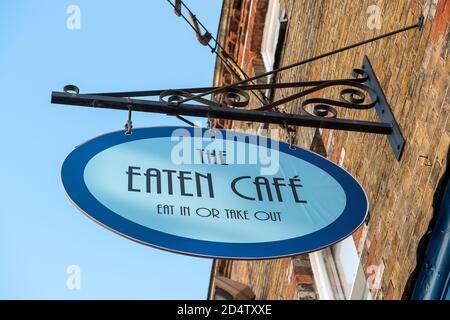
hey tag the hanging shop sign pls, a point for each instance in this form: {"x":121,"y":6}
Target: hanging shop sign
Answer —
{"x":213,"y":193}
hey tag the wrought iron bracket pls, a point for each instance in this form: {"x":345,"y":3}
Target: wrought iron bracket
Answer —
{"x":228,"y":104}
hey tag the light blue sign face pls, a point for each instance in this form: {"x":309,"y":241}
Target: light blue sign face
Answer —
{"x":213,"y":193}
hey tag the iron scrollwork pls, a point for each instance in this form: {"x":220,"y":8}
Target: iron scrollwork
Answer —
{"x":360,"y":92}
{"x":231,"y":97}
{"x":355,"y":95}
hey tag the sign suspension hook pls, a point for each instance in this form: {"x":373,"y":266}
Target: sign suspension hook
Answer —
{"x":129,"y":123}
{"x":210,"y":122}
{"x":290,"y":136}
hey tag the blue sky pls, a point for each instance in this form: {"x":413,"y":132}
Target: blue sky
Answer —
{"x":121,"y":46}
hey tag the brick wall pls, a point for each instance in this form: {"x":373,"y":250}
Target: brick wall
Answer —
{"x":413,"y":68}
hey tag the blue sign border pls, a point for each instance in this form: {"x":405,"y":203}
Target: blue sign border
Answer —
{"x":72,"y":174}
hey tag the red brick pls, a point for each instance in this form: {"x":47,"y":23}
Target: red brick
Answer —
{"x":390,"y":292}
{"x":357,"y":236}
{"x":304,"y":279}
{"x":441,"y":20}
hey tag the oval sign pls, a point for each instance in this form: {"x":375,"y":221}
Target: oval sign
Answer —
{"x":213,"y":193}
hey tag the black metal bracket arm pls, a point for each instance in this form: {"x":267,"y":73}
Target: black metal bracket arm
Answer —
{"x":228,"y":103}
{"x":360,"y":92}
